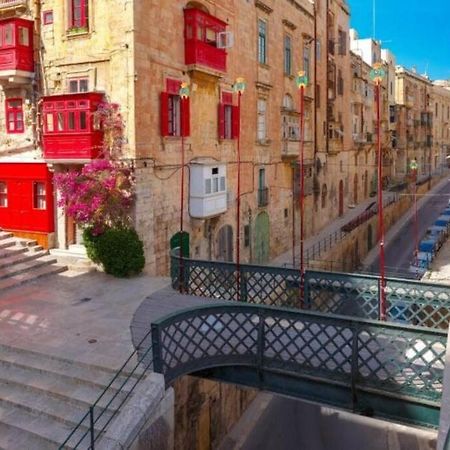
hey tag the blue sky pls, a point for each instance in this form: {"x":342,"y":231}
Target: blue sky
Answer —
{"x":417,"y":31}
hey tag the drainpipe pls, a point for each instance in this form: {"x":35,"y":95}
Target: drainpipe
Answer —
{"x":315,"y":83}
{"x":36,"y":88}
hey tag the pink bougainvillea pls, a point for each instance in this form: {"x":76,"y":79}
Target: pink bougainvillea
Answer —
{"x":100,"y":195}
{"x":109,"y":118}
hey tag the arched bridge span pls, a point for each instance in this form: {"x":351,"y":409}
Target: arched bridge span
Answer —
{"x":387,"y":370}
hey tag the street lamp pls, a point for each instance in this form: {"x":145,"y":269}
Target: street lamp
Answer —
{"x":238,"y":87}
{"x":302,"y":81}
{"x":377,"y":75}
{"x":413,"y":166}
{"x":183,"y":92}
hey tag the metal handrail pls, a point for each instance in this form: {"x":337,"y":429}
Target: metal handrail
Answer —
{"x":90,"y":413}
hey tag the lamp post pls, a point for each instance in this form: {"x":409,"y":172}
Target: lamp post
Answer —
{"x":377,"y":75}
{"x":413,"y":167}
{"x":302,"y":81}
{"x":184,"y":96}
{"x":239,"y":88}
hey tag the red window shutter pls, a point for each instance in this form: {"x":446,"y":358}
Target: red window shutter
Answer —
{"x":236,"y":122}
{"x":185,"y":117}
{"x":164,"y":116}
{"x":221,"y":121}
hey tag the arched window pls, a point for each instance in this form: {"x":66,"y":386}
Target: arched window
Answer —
{"x":324,"y":196}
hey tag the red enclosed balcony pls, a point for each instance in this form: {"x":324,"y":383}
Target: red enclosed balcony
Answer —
{"x":69,"y":132}
{"x":201,"y":38}
{"x":16,"y":50}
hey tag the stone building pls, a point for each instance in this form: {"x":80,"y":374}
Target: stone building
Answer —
{"x":415,"y":121}
{"x":440,"y":106}
{"x":61,"y":59}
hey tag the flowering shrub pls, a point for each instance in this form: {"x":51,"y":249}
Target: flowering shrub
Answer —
{"x":100,"y":196}
{"x":110,"y":120}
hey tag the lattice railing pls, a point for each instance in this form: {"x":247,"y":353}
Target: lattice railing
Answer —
{"x":408,"y":301}
{"x":392,"y":360}
{"x":355,"y":295}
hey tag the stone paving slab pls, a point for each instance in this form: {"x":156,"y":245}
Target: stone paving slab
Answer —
{"x":83,"y":317}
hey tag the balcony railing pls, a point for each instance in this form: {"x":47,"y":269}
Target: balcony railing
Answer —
{"x":11,"y":3}
{"x":263,"y":197}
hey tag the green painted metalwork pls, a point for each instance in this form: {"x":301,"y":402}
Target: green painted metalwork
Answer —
{"x":355,"y":295}
{"x":393,"y":370}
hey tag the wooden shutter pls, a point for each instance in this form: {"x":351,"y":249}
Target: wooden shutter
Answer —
{"x":164,"y":114}
{"x":185,"y":117}
{"x":221,"y":121}
{"x":236,"y":119}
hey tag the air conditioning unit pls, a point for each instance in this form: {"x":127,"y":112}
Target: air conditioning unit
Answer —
{"x":225,"y":39}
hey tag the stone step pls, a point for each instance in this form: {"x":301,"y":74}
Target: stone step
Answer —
{"x":5,"y":235}
{"x":7,"y":243}
{"x":42,"y":363}
{"x":11,"y":251}
{"x":20,"y":258}
{"x":54,"y":408}
{"x":27,"y":266}
{"x":26,"y":277}
{"x":23,"y":430}
{"x":63,"y":386}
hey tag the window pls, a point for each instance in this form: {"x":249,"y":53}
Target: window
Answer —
{"x":318,"y":49}
{"x":318,"y":95}
{"x":340,"y":83}
{"x":78,"y":85}
{"x":246,"y":235}
{"x":324,"y":196}
{"x":78,"y":10}
{"x":175,"y":112}
{"x":228,"y":118}
{"x":8,"y":34}
{"x":47,"y":17}
{"x":215,"y":183}
{"x":262,"y":179}
{"x":342,"y":36}
{"x":262,"y":42}
{"x":24,"y":36}
{"x":39,"y":200}
{"x":306,"y":58}
{"x":3,"y":195}
{"x":261,"y":123}
{"x":14,"y":115}
{"x":287,"y":55}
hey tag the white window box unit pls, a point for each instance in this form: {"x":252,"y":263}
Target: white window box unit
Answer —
{"x":208,"y":189}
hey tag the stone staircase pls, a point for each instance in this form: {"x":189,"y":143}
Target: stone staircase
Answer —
{"x":42,"y":398}
{"x":22,"y":260}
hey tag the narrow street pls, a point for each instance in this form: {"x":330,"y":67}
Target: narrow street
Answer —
{"x":399,"y":252}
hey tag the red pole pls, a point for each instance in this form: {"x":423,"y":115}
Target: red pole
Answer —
{"x":182,"y":199}
{"x":238,"y":204}
{"x":380,"y":211}
{"x":302,"y":189}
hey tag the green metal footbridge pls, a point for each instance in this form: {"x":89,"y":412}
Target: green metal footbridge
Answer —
{"x":328,"y":347}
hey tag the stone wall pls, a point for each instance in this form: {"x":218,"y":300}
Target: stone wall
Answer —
{"x":206,"y":410}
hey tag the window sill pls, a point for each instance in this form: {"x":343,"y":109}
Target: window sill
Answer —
{"x":77,"y":32}
{"x":263,"y":143}
{"x":264,"y":66}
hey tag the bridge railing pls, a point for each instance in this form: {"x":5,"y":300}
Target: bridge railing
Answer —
{"x":360,"y":357}
{"x":408,"y":301}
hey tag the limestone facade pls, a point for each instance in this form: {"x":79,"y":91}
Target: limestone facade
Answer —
{"x":135,"y":52}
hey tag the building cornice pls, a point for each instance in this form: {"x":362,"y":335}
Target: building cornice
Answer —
{"x":263,"y":6}
{"x":289,"y":25}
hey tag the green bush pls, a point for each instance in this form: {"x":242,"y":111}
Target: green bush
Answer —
{"x":118,"y":250}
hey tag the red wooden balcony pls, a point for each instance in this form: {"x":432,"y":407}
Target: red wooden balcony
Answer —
{"x":201,"y":32}
{"x":68,"y":126}
{"x":16,"y":50}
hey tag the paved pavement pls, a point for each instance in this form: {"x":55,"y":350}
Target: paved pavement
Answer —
{"x":333,"y":227}
{"x":400,"y":241}
{"x":80,"y":316}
